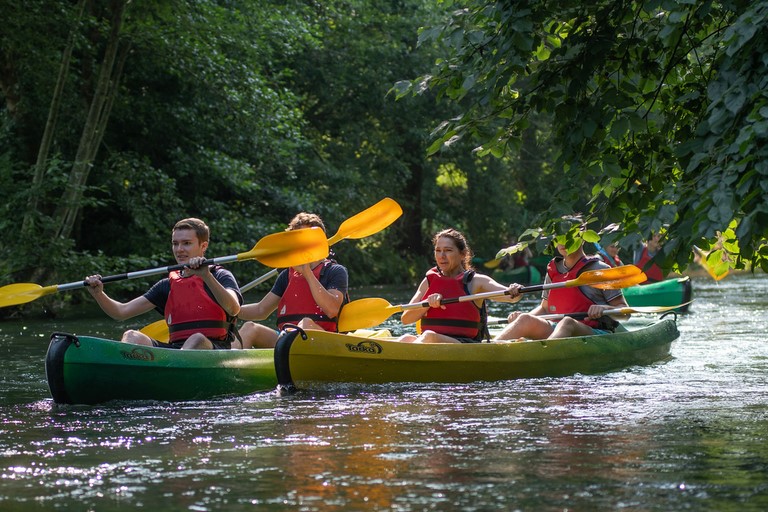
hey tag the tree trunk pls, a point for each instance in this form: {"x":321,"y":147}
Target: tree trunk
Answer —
{"x":50,"y":126}
{"x":93,"y":131}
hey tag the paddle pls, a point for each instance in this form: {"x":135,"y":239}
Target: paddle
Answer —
{"x":716,"y":272}
{"x":366,"y":223}
{"x":365,"y":313}
{"x":284,"y":249}
{"x":613,"y":311}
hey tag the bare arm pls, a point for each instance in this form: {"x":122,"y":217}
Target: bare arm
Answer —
{"x":115,"y":309}
{"x":227,"y":298}
{"x":596,"y":310}
{"x":260,"y":310}
{"x":410,"y":316}
{"x":330,"y":301}
{"x":482,"y":284}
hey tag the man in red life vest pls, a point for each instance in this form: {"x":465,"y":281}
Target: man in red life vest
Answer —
{"x":199,"y":303}
{"x":309,"y":296}
{"x":645,"y":256}
{"x":578,"y":299}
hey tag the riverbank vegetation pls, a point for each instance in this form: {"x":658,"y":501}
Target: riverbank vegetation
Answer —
{"x":121,"y":117}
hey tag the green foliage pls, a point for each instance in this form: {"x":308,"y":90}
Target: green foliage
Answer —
{"x":658,"y":108}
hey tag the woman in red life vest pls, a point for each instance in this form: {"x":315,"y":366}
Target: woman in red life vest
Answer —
{"x":644,"y":259}
{"x":199,"y":303}
{"x":459,"y":322}
{"x":566,"y":300}
{"x":309,"y":296}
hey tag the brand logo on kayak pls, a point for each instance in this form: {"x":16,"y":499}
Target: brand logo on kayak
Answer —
{"x":367,"y":347}
{"x":138,"y":354}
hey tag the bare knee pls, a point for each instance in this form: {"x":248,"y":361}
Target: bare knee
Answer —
{"x":308,"y":323}
{"x":569,"y":326}
{"x":433,"y":337}
{"x":197,"y":342}
{"x":257,"y":336}
{"x":136,"y":338}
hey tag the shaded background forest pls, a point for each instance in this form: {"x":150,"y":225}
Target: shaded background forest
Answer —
{"x":242,"y":114}
{"x":121,"y":117}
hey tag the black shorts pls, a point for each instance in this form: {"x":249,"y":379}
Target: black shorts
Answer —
{"x":466,"y":340}
{"x":217,"y":344}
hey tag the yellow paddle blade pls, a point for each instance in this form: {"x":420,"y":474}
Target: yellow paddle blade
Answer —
{"x":369,"y":221}
{"x":289,"y":248}
{"x":625,"y":282}
{"x":365,"y":313}
{"x":606,"y":274}
{"x":492,"y":263}
{"x":157,"y":331}
{"x":21,"y":293}
{"x":645,"y":309}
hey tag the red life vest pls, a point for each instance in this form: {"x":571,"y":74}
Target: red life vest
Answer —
{"x":569,"y":300}
{"x":652,"y":271}
{"x":191,"y":309}
{"x":297,"y":301}
{"x":460,"y":319}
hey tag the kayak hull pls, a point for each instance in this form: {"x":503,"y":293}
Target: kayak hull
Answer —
{"x":90,"y":370}
{"x":325,"y":357}
{"x":521,"y":275}
{"x":669,"y":292}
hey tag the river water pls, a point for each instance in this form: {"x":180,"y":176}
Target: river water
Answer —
{"x":684,"y":434}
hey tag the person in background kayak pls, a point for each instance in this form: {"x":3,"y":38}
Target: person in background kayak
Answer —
{"x":199,"y":303}
{"x":644,"y":259}
{"x":453,"y":276}
{"x":578,"y":299}
{"x":309,"y":296}
{"x":610,"y":254}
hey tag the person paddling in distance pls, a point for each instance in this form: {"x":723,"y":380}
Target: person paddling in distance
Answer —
{"x":610,"y":254}
{"x":565,"y":267}
{"x":644,"y":258}
{"x":453,"y":276}
{"x":309,"y":296}
{"x":200,"y":303}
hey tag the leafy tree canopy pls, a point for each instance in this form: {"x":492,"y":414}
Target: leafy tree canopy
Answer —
{"x":659,"y":107}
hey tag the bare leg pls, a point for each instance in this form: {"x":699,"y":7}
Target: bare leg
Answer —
{"x":308,"y":323}
{"x":258,"y":336}
{"x":568,"y":327}
{"x":526,"y":326}
{"x":433,"y":337}
{"x":136,"y":338}
{"x":197,"y":342}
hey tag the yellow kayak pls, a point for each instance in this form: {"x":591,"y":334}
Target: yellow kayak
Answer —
{"x":306,"y":358}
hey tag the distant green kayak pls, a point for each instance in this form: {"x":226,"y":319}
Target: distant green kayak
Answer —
{"x":522,"y":275}
{"x":669,"y":292}
{"x":88,"y":370}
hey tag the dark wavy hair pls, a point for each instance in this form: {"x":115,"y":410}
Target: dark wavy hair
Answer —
{"x":461,"y":244}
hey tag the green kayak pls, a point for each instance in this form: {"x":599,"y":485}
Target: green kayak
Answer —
{"x":88,"y":370}
{"x":308,"y":358}
{"x":669,"y":292}
{"x":522,"y":275}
